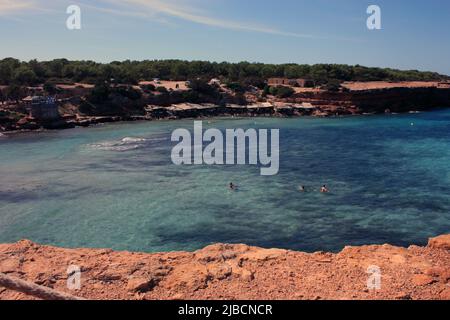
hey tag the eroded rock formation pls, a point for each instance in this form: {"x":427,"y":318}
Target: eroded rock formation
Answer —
{"x":224,"y":271}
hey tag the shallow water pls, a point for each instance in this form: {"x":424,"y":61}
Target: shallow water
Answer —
{"x":115,"y":186}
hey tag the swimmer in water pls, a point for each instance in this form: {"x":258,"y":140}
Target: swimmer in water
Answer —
{"x":232,"y":186}
{"x":324,"y":189}
{"x":302,"y":189}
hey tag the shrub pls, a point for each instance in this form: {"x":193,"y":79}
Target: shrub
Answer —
{"x":148,"y":88}
{"x":161,"y":89}
{"x":281,"y":91}
{"x":333,"y":86}
{"x":236,"y":87}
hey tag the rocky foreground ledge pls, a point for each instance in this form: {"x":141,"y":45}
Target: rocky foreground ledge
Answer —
{"x":235,"y":272}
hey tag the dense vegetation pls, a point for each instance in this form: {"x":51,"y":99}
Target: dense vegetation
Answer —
{"x":15,"y":72}
{"x":279,"y":91}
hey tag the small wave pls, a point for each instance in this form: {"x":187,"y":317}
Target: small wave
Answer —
{"x":158,"y":139}
{"x":125,"y":144}
{"x":133,"y":140}
{"x":114,"y":148}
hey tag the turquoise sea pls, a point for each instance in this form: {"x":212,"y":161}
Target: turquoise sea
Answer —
{"x":114,"y":186}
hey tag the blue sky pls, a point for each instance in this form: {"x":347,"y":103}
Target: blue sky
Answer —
{"x":415,"y":34}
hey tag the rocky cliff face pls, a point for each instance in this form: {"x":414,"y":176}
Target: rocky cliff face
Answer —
{"x":377,"y":101}
{"x":236,"y":272}
{"x":77,"y":112}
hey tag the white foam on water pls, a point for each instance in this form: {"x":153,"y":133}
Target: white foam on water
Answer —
{"x":125,"y":144}
{"x":133,"y":140}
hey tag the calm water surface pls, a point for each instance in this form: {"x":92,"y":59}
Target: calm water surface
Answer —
{"x":115,"y":186}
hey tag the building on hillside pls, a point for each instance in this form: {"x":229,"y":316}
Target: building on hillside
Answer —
{"x":215,"y":82}
{"x":42,"y":108}
{"x":278,"y":82}
{"x":302,"y":83}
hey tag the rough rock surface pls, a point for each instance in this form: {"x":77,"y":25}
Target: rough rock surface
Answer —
{"x":235,"y":272}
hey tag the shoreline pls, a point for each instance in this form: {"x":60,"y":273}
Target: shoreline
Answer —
{"x":72,"y":110}
{"x":125,"y":120}
{"x":223,"y":272}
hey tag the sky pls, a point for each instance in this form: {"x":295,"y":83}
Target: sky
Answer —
{"x":414,"y":34}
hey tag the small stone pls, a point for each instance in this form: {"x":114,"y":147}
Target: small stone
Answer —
{"x":439,"y":272}
{"x":140,"y":284}
{"x":265,"y":254}
{"x":445,"y":294}
{"x":422,"y":280}
{"x":194,"y":282}
{"x":220,"y":272}
{"x":323,"y":257}
{"x":10,"y":265}
{"x":403,"y":296}
{"x":247,"y":275}
{"x":177,"y":296}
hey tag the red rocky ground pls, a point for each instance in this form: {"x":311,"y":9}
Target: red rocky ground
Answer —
{"x":235,"y":272}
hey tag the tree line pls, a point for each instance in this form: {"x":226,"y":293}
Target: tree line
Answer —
{"x":16,"y":72}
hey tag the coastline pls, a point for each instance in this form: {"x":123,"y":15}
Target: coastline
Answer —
{"x":320,"y":103}
{"x":179,"y":112}
{"x":117,"y":120}
{"x":125,"y":121}
{"x":241,"y":272}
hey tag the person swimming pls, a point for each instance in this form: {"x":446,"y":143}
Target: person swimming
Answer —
{"x":324,"y":189}
{"x":302,"y":189}
{"x":232,"y":186}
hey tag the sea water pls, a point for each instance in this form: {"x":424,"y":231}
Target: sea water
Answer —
{"x":114,"y":186}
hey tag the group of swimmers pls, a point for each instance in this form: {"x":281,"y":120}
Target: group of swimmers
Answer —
{"x":324,"y":188}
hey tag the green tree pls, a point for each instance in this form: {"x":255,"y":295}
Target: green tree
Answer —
{"x":281,"y":91}
{"x":24,"y":76}
{"x":7,"y":68}
{"x":130,"y":72}
{"x":100,"y":93}
{"x":333,"y":85}
{"x":15,"y":92}
{"x":50,"y":88}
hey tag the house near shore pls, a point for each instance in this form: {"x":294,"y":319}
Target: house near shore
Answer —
{"x":302,"y":83}
{"x":215,"y":82}
{"x":42,"y":108}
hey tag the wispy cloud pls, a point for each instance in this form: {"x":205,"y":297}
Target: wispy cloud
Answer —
{"x":124,"y":11}
{"x":13,"y":6}
{"x":155,"y":10}
{"x":181,"y":10}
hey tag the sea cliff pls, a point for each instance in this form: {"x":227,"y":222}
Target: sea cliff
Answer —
{"x":76,"y":110}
